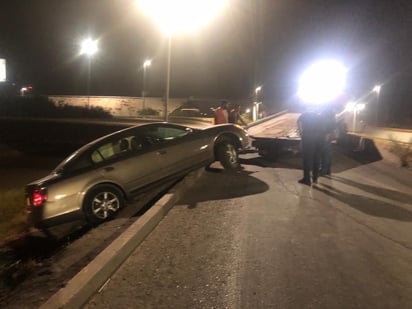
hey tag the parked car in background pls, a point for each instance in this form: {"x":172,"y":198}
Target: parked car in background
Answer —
{"x":99,"y":178}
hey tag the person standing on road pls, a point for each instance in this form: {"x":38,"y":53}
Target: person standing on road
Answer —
{"x":235,"y":117}
{"x":328,"y":119}
{"x":221,"y":113}
{"x":311,"y":132}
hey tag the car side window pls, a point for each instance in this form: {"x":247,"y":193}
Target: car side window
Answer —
{"x":122,"y":146}
{"x":81,"y":163}
{"x":168,"y":133}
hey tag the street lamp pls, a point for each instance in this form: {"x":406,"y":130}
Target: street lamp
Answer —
{"x":256,"y":104}
{"x":146,"y":64}
{"x":89,"y":48}
{"x":377,"y":90}
{"x":355,"y":108}
{"x":179,"y":16}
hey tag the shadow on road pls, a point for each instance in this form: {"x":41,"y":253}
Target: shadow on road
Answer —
{"x":386,"y":193}
{"x":367,"y":205}
{"x":344,"y":157}
{"x":230,"y":185}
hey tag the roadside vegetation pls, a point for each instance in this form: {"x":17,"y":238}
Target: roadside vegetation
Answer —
{"x":42,"y":107}
{"x":148,"y":112}
{"x":12,"y":214}
{"x":403,"y":152}
{"x":12,"y":211}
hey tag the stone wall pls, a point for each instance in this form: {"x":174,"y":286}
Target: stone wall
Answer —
{"x":120,"y":106}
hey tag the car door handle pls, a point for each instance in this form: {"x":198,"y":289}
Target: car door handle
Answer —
{"x":108,"y":168}
{"x":161,"y":152}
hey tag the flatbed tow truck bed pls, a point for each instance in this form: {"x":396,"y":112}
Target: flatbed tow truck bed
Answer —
{"x":275,"y":133}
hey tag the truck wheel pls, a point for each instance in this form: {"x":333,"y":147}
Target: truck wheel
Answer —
{"x":101,"y":203}
{"x":227,"y":155}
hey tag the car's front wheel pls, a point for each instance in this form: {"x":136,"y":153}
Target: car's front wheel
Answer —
{"x":227,"y":155}
{"x":101,"y":203}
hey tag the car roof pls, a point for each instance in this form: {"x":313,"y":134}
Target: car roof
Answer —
{"x":87,"y":146}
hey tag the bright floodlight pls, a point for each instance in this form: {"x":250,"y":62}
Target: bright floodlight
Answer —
{"x":322,"y":82}
{"x":258,"y":89}
{"x":88,"y":47}
{"x":176,"y":16}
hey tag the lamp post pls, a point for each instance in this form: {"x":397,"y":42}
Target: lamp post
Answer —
{"x":355,"y":108}
{"x":256,"y":104}
{"x":169,"y":57}
{"x":377,"y":90}
{"x":179,"y":16}
{"x":89,"y":48}
{"x":146,"y":64}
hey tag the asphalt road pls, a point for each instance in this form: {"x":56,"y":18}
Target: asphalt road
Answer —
{"x":258,"y":239}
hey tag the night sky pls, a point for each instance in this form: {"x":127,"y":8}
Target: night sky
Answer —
{"x":259,"y":42}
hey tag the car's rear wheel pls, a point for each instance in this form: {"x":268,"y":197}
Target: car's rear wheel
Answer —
{"x":227,"y":155}
{"x":101,"y":203}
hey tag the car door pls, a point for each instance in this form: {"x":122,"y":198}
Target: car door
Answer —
{"x":180,"y":147}
{"x":132,"y":164}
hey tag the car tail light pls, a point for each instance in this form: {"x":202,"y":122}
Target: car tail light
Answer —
{"x":39,"y":196}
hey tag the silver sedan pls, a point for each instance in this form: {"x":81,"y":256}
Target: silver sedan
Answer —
{"x":98,"y":179}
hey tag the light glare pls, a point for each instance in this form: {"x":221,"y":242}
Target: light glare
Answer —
{"x":147,"y":63}
{"x":180,"y":16}
{"x":2,"y":70}
{"x":376,"y":89}
{"x":88,"y":47}
{"x":353,"y":106}
{"x":322,"y":82}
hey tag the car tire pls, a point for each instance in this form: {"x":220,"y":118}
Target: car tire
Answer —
{"x":101,"y":203}
{"x":228,"y":155}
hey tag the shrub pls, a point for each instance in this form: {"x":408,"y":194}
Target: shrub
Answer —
{"x":403,"y":151}
{"x":42,"y":107}
{"x":12,"y":214}
{"x":148,"y":112}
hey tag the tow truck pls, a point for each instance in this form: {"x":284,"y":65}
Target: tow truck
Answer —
{"x":274,"y":134}
{"x":279,"y":133}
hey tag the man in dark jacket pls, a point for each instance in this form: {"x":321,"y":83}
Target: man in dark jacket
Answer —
{"x":328,"y":119}
{"x":311,"y":132}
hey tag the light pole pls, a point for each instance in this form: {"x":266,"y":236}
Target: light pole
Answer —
{"x":377,"y":90}
{"x":179,"y":16}
{"x":256,"y":104}
{"x":89,"y":48}
{"x":146,"y":64}
{"x":355,"y":108}
{"x":169,"y":57}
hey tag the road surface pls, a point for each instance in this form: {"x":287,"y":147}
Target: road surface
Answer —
{"x":258,"y":239}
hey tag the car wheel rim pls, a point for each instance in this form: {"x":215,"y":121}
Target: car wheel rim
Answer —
{"x":231,"y":154}
{"x":104,"y":204}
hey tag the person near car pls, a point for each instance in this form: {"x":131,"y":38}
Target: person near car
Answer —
{"x":221,"y":113}
{"x":328,"y":118}
{"x":311,"y":132}
{"x":235,"y":117}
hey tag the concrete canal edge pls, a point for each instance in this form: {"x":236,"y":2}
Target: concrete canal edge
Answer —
{"x":91,"y":278}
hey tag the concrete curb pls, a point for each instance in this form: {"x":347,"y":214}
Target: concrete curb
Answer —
{"x":91,"y":278}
